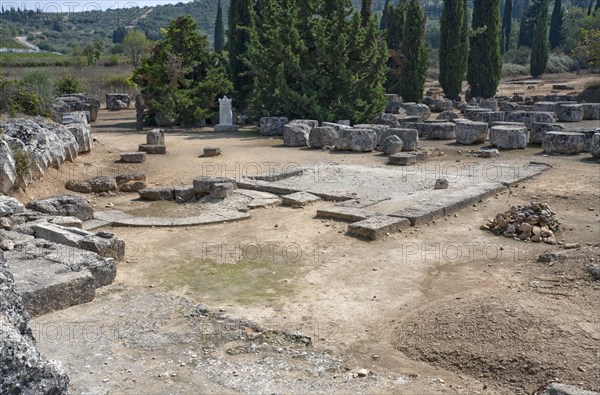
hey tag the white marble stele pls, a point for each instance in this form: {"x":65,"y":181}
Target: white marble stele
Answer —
{"x":225,"y":116}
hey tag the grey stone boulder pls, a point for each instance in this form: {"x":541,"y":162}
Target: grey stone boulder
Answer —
{"x":210,"y":152}
{"x":509,"y":137}
{"x":392,"y":145}
{"x":8,"y":170}
{"x":410,"y":137}
{"x":75,"y":117}
{"x":83,"y":136}
{"x":309,"y":122}
{"x":184,"y":193}
{"x":490,"y":104}
{"x":272,"y":126}
{"x":133,"y":186}
{"x":378,"y":129}
{"x":487,"y":116}
{"x":65,"y":205}
{"x":386,"y":119}
{"x":570,"y":112}
{"x":419,"y":110}
{"x":344,"y":140}
{"x":447,"y":116}
{"x":394,"y":107}
{"x":124,"y":178}
{"x":538,"y":130}
{"x":117,"y":101}
{"x":23,"y":370}
{"x":402,"y":159}
{"x":546,"y":106}
{"x":507,"y":106}
{"x":363,"y":140}
{"x":529,"y":117}
{"x":472,"y":132}
{"x":203,"y":185}
{"x":322,"y":136}
{"x":438,"y":130}
{"x":441,"y":105}
{"x":591,"y":111}
{"x":296,"y":134}
{"x":158,"y":193}
{"x":10,"y":206}
{"x":222,"y":190}
{"x":155,"y":137}
{"x":595,"y":145}
{"x":565,"y":389}
{"x":77,"y":102}
{"x":564,"y":142}
{"x":103,"y":184}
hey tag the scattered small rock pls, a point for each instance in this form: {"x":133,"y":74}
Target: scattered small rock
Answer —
{"x":362,"y":372}
{"x":441,"y":183}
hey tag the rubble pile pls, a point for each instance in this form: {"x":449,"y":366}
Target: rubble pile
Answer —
{"x":532,"y":222}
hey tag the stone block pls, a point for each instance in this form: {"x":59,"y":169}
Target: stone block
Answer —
{"x":564,"y":143}
{"x":211,"y":152}
{"x":509,"y":137}
{"x":299,"y":199}
{"x":322,"y":136}
{"x":439,"y":130}
{"x":363,"y":140}
{"x":155,"y":137}
{"x":538,"y":130}
{"x":402,"y":159}
{"x":472,"y":132}
{"x":296,"y":134}
{"x":133,"y":157}
{"x":409,"y":137}
{"x":392,"y":145}
{"x":591,"y":111}
{"x":272,"y":126}
{"x":222,"y":189}
{"x":156,"y":194}
{"x":378,"y":226}
{"x":595,"y":145}
{"x":184,"y":194}
{"x":65,"y":205}
{"x":202,"y":185}
{"x":570,"y":112}
{"x":153,"y":149}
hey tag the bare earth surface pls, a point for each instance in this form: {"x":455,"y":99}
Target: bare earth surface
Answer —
{"x":440,"y":308}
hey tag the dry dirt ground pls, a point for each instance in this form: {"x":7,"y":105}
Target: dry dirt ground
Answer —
{"x":442,"y":308}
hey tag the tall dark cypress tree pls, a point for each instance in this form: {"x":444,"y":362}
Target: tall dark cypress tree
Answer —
{"x":506,"y":26}
{"x":219,"y":34}
{"x":556,"y":25}
{"x":241,"y":23}
{"x":383,"y":24}
{"x":365,"y":12}
{"x":414,"y":70}
{"x":394,"y":35}
{"x":540,"y":47}
{"x":454,"y":47}
{"x":528,"y":22}
{"x":485,"y":61}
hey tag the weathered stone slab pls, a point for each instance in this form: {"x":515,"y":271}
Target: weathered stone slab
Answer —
{"x":296,"y":134}
{"x":153,"y":149}
{"x":570,"y":112}
{"x":409,"y":137}
{"x":363,"y":140}
{"x":402,"y":159}
{"x":419,"y":110}
{"x":184,"y":194}
{"x":65,"y":205}
{"x":564,"y":143}
{"x":509,"y":137}
{"x":538,"y":130}
{"x":210,"y":152}
{"x":263,"y":186}
{"x":529,"y":117}
{"x":9,"y":206}
{"x":158,"y":193}
{"x":202,"y":185}
{"x":340,"y":213}
{"x":133,"y":157}
{"x":438,"y":130}
{"x":68,"y":222}
{"x":155,"y":137}
{"x":422,"y":214}
{"x":322,"y":136}
{"x":83,"y":135}
{"x":133,"y":186}
{"x":591,"y":111}
{"x":222,"y":190}
{"x":299,"y":199}
{"x":472,"y":132}
{"x":378,"y":226}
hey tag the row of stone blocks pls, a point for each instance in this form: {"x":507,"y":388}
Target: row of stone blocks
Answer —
{"x":545,"y":112}
{"x":218,"y":187}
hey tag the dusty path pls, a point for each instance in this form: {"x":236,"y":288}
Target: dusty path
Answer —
{"x":407,"y":306}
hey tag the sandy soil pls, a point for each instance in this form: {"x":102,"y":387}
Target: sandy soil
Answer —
{"x":447,"y":307}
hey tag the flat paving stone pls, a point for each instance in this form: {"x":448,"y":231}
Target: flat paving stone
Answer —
{"x":348,"y":214}
{"x":211,"y":217}
{"x":378,"y":226}
{"x":299,"y":199}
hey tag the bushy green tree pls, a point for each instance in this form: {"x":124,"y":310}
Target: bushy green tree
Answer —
{"x":414,"y":70}
{"x":556,"y":25}
{"x":540,"y":47}
{"x":485,"y":62}
{"x":181,"y":79}
{"x":134,"y":45}
{"x":241,"y":24}
{"x":454,"y":47}
{"x":219,"y":38}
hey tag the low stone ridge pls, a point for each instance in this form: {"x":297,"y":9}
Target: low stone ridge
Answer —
{"x":531,"y":222}
{"x":22,"y":368}
{"x":42,"y":143}
{"x":272,"y":126}
{"x":564,"y":142}
{"x":63,"y":205}
{"x":9,"y":206}
{"x":158,"y":193}
{"x":299,"y":199}
{"x":378,"y":226}
{"x":341,"y":213}
{"x":117,"y":101}
{"x":211,"y":217}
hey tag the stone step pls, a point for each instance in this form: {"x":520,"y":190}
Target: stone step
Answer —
{"x":378,"y":226}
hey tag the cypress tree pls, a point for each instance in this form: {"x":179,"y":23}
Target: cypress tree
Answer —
{"x":219,"y":37}
{"x":383,"y":25}
{"x":485,"y":62}
{"x":414,"y":71}
{"x":395,"y":26}
{"x":528,"y":22}
{"x":454,"y":47}
{"x":556,"y":25}
{"x":241,"y":24}
{"x":365,"y":12}
{"x":506,"y":26}
{"x":540,"y":46}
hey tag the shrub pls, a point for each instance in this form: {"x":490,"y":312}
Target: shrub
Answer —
{"x":560,"y":63}
{"x":514,"y":70}
{"x":591,"y":93}
{"x":39,"y":82}
{"x":518,"y":55}
{"x":22,"y":163}
{"x":67,"y":85}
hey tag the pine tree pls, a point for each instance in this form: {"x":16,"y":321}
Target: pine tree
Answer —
{"x":366,"y":12}
{"x":485,"y":62}
{"x":506,"y":26}
{"x":414,"y":70}
{"x":383,"y":25}
{"x":454,"y":47}
{"x":540,"y":47}
{"x":556,"y":25}
{"x":241,"y":24}
{"x":219,"y":36}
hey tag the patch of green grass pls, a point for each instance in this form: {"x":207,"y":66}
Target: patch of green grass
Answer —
{"x":11,"y":43}
{"x":244,"y":282}
{"x":33,"y":59}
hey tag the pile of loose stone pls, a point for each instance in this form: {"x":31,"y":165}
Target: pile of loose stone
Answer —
{"x":532,"y":222}
{"x":41,"y":144}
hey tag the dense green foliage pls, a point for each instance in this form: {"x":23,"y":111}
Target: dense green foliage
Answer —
{"x":180,"y":79}
{"x":366,"y":10}
{"x":241,"y":24}
{"x":19,"y":98}
{"x":134,"y":45}
{"x":454,"y":47}
{"x":394,"y":37}
{"x":540,"y":48}
{"x":68,"y":84}
{"x":556,"y":25}
{"x":485,"y":62}
{"x":528,"y":22}
{"x":219,"y":37}
{"x":311,"y":60}
{"x":414,"y":70}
